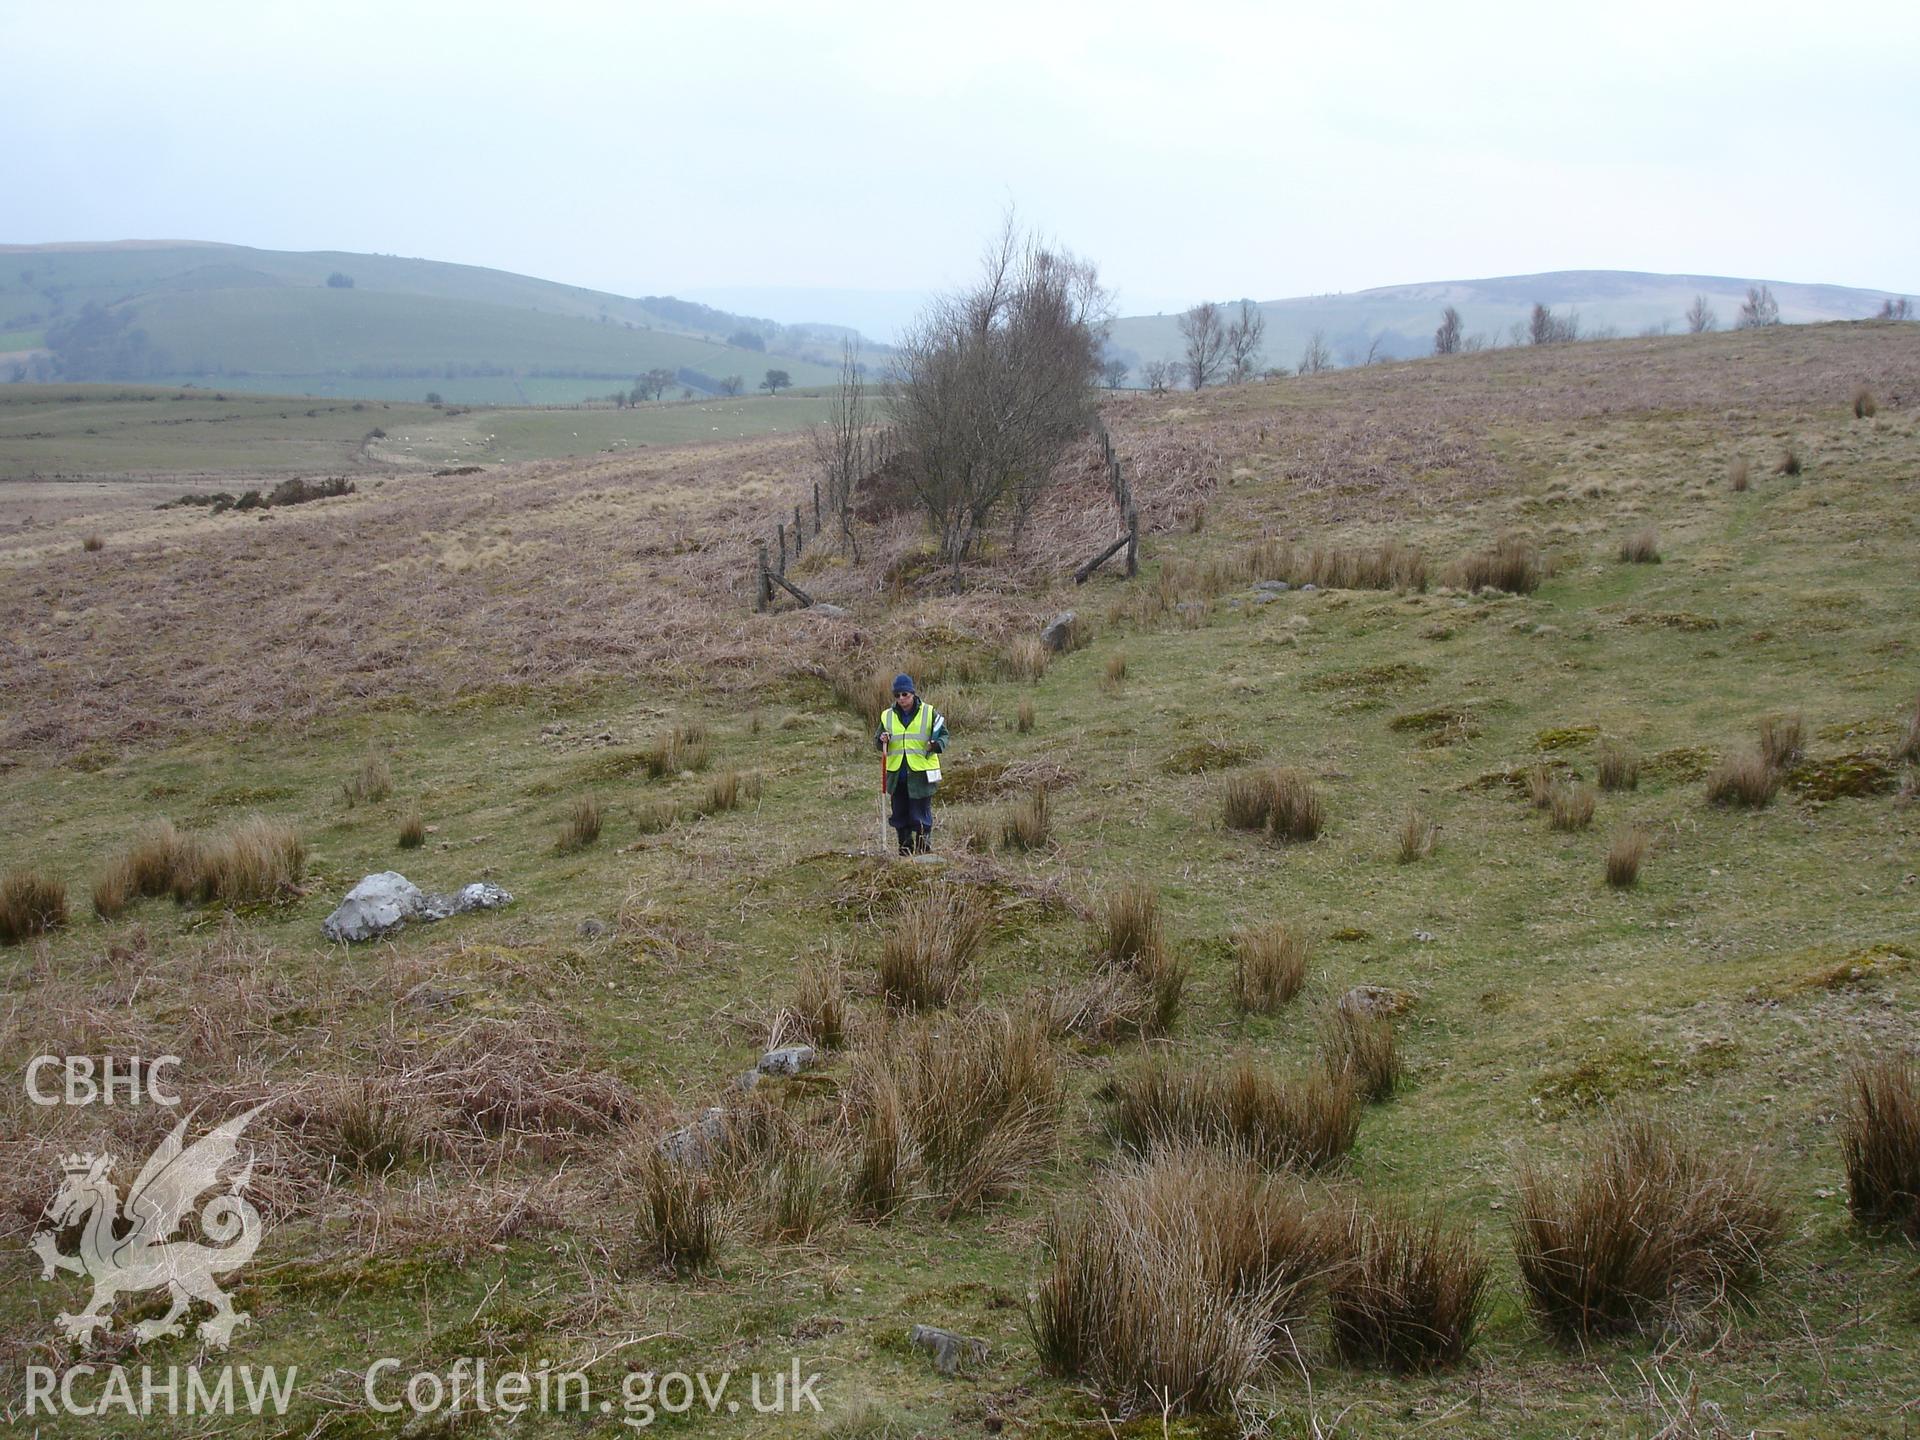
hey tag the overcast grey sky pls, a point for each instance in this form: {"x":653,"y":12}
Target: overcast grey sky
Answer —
{"x":1191,"y":149}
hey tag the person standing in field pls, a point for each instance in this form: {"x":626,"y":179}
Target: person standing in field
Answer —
{"x":911,"y":736}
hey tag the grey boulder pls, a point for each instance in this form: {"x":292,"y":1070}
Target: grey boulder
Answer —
{"x":380,"y":904}
{"x":1058,"y":633}
{"x":788,"y":1060}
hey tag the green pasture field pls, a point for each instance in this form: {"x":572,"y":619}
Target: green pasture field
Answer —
{"x":138,"y":431}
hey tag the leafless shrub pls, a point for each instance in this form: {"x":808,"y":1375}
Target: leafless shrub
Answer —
{"x":1624,"y":857}
{"x":1414,"y":839}
{"x":413,"y":831}
{"x":991,"y":385}
{"x":1304,"y":1124}
{"x":956,"y":1114}
{"x":582,"y":827}
{"x":1701,"y":317}
{"x":1173,"y":1287}
{"x":929,"y":945}
{"x":31,"y":903}
{"x":1864,"y":405}
{"x":1512,"y":565}
{"x":1359,"y":1045}
{"x":94,"y":543}
{"x":1618,"y":767}
{"x":1269,"y":966}
{"x":1642,"y":547}
{"x":372,"y":784}
{"x":1789,"y":463}
{"x":1116,"y":672}
{"x":1297,"y":812}
{"x":1572,"y":807}
{"x":1412,"y":1294}
{"x":1739,"y":474}
{"x":1783,"y":740}
{"x":1880,"y":1142}
{"x":1028,"y":824}
{"x":1744,"y":780}
{"x":1647,"y":1220}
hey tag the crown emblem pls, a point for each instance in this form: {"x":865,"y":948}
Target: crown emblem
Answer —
{"x":77,"y":1164}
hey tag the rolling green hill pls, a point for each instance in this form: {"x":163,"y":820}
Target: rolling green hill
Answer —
{"x":289,"y":323}
{"x":1401,"y":319}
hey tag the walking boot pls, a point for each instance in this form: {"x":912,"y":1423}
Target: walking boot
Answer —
{"x":906,"y":841}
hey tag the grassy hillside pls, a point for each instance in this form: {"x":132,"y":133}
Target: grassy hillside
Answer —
{"x":1402,"y":318}
{"x":458,"y":1157}
{"x":268,"y":320}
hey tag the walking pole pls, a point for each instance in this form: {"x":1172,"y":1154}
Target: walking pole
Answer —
{"x":886,"y":753}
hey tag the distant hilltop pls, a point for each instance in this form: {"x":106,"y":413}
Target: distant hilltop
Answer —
{"x":1398,"y":321}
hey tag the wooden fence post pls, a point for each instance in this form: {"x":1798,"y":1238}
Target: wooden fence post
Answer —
{"x":816,"y":507}
{"x":1133,"y":543}
{"x":799,"y":530}
{"x":782,"y":528}
{"x":763,"y":587}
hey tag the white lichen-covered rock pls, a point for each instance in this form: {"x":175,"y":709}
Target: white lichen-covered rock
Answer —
{"x":381,"y":904}
{"x":692,"y":1145}
{"x":477,"y":896}
{"x":789,"y":1060}
{"x":376,"y":906}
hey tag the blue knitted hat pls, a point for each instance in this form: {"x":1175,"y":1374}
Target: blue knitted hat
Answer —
{"x":902,"y":682}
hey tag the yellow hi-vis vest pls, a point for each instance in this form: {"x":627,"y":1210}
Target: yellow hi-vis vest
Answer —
{"x":909,"y":741}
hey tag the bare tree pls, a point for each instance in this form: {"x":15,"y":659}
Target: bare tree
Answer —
{"x":1446,"y":339}
{"x":1115,"y":372}
{"x":1245,"y":335}
{"x":1758,"y":310}
{"x":1206,"y":341}
{"x":1546,"y":328}
{"x":847,"y":446}
{"x":730,"y":385}
{"x":1374,"y":357}
{"x":1159,"y":374}
{"x":992,"y":383}
{"x":1895,"y":308}
{"x":1316,"y":356}
{"x":1701,"y":317}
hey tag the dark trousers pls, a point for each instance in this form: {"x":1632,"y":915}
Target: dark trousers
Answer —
{"x":912,"y":819}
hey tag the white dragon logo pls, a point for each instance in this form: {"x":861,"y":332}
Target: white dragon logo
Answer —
{"x":133,"y":1249}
